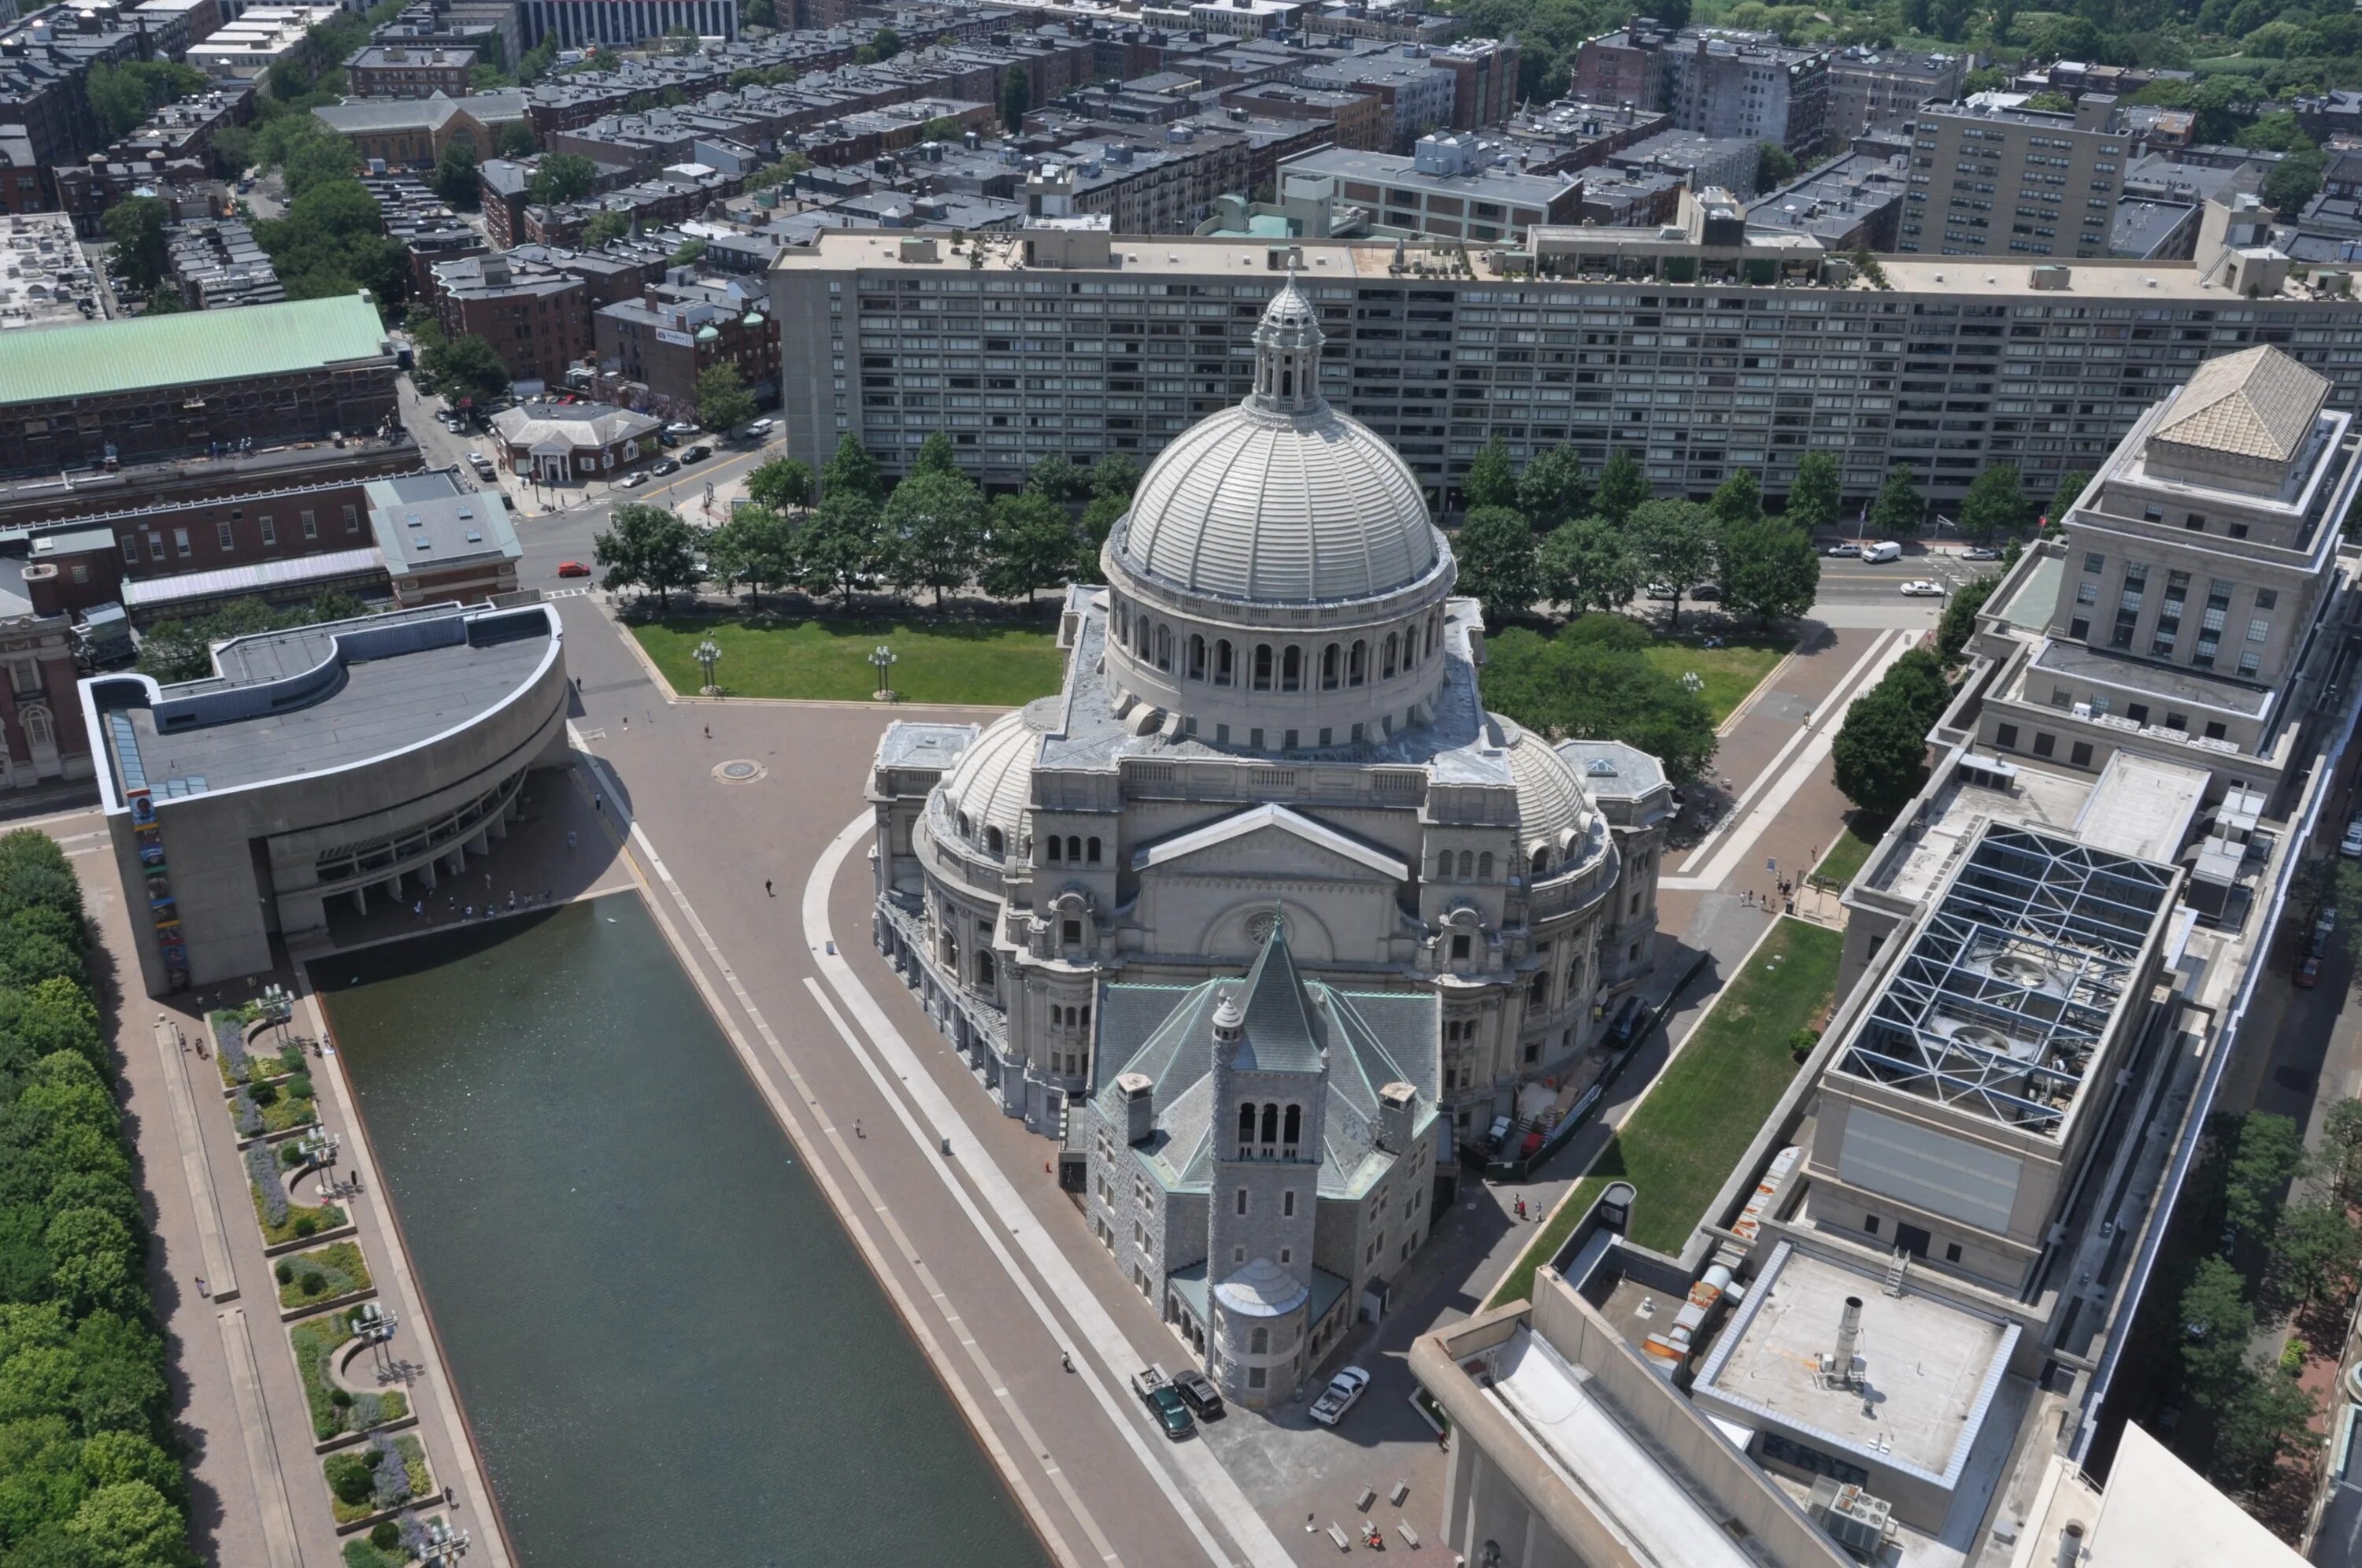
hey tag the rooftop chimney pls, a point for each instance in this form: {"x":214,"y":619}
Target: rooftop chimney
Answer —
{"x":1849,"y":1333}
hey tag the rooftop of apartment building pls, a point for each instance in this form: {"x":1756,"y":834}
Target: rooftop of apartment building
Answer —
{"x":1459,"y":165}
{"x":399,"y":57}
{"x":1570,"y":122}
{"x":2093,"y":113}
{"x":1832,"y":200}
{"x":505,"y":276}
{"x":1896,"y":62}
{"x":45,"y":278}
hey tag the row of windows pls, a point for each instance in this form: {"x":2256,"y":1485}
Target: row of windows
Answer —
{"x":1218,"y":661}
{"x":226,"y":536}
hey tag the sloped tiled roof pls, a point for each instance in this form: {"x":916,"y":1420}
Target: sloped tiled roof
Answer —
{"x":2258,"y":402}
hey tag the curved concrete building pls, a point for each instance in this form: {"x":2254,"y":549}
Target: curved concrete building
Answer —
{"x":365,"y":756}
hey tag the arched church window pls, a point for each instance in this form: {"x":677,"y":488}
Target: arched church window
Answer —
{"x":1393,"y":643}
{"x":1484,"y":867}
{"x":1329,"y":668}
{"x":1223,"y":662}
{"x":1271,"y":1123}
{"x":1357,"y":664}
{"x":1091,"y":851}
{"x":1197,"y":657}
{"x":1074,"y":848}
{"x":994,"y":843}
{"x":1291,"y":668}
{"x":1467,"y":865}
{"x":1443,"y":866}
{"x":1541,"y":860}
{"x":1263,"y":667}
{"x":1259,"y":1342}
{"x":1246,"y":1124}
{"x":1165,"y":648}
{"x":1055,"y":845}
{"x":1294,"y":1125}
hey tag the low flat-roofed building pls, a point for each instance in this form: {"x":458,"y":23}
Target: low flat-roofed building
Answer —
{"x":1821,"y":1371}
{"x":335,"y":760}
{"x":1451,"y":187}
{"x":45,"y":278}
{"x":409,"y":71}
{"x":2150,"y":230}
{"x":1851,"y":202}
{"x":259,"y":38}
{"x":443,"y":539}
{"x":554,"y":443}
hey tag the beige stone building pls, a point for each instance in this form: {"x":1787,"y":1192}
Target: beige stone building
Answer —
{"x":1270,"y":709}
{"x":2006,"y":181}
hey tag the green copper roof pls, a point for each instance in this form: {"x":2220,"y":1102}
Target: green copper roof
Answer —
{"x":193,"y":347}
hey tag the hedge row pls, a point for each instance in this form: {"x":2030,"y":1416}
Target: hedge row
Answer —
{"x":90,"y":1475}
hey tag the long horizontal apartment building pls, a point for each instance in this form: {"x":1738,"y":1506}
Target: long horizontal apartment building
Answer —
{"x":1709,"y":351}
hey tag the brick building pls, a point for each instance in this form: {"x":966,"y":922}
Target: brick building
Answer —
{"x":120,"y":391}
{"x":409,"y":71}
{"x":678,"y":331}
{"x":536,"y":319}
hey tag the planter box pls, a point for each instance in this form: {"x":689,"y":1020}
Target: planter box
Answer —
{"x":326,"y":1303}
{"x":305,"y":1243}
{"x":347,"y":1439}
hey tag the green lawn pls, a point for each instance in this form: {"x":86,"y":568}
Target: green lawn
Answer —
{"x":995,"y":665}
{"x":1730,"y":671}
{"x":1850,"y":852}
{"x":1680,"y":1146}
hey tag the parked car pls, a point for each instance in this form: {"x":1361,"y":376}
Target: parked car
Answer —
{"x":1164,"y":1402}
{"x":1842,"y":552}
{"x":1200,"y":1392}
{"x":1497,"y":1133}
{"x":1659,"y":591}
{"x":572,"y":569}
{"x":696,"y":454}
{"x":664,"y":466}
{"x":758,"y":430}
{"x":2351,"y":844}
{"x":633,"y":480}
{"x":2308,"y":971}
{"x":1705,"y":593}
{"x":1884,"y":550}
{"x":681,"y":427}
{"x":1625,"y":1028}
{"x":1920,"y":588}
{"x":1339,"y":1396}
{"x":1981,"y":553}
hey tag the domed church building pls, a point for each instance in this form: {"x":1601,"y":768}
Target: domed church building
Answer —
{"x":1269,"y":722}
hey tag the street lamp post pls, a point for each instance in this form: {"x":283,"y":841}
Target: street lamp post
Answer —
{"x":709,"y":654}
{"x":883,"y":657}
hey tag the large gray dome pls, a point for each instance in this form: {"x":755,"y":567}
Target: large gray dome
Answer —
{"x":1282,"y":499}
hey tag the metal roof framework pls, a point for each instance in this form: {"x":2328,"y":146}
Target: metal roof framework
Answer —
{"x":2010,"y":985}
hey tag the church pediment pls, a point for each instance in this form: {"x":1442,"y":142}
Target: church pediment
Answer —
{"x":1269,"y":840}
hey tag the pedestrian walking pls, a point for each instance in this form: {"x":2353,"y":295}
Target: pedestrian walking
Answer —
{"x":203,"y":1289}
{"x":598,"y":803}
{"x":766,"y":888}
{"x":569,"y":840}
{"x":419,"y":908}
{"x":856,"y":1129}
{"x":709,"y":731}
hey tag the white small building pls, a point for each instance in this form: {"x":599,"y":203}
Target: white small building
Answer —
{"x":567,"y":443}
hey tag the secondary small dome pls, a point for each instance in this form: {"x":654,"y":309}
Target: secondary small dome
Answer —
{"x":1282,"y":499}
{"x":993,"y":781}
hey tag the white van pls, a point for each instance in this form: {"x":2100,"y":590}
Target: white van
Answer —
{"x":1883,"y":550}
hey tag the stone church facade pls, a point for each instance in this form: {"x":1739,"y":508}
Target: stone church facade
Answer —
{"x":1269,"y":718}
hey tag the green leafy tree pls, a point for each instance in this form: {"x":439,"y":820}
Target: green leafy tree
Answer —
{"x":782,"y":484}
{"x":1016,"y":98}
{"x":2312,"y":1252}
{"x":1032,"y":545}
{"x":2062,"y":501}
{"x":1994,"y":507}
{"x":1117,"y":474}
{"x":1594,"y":680}
{"x":935,"y":457}
{"x":722,"y":401}
{"x":1059,"y":480}
{"x":517,"y":138}
{"x":935,"y":523}
{"x":2295,"y":180}
{"x":2340,"y":1148}
{"x":1770,"y":570}
{"x":1774,"y":166}
{"x":2269,"y":1419}
{"x":842,"y":544}
{"x":1496,"y":551}
{"x":2217,"y":1321}
{"x":1898,"y":510}
{"x":646,"y":547}
{"x":1813,"y":499}
{"x":1492,"y":479}
{"x":131,"y":1523}
{"x":854,"y":472}
{"x":1554,"y":489}
{"x":689,"y":252}
{"x":314,"y":156}
{"x":1623,"y":488}
{"x":1675,"y":540}
{"x":137,"y":226}
{"x":1958,"y":622}
{"x":165,"y":301}
{"x":755,"y":547}
{"x":1736,"y":502}
{"x":455,"y":175}
{"x":604,"y":228}
{"x":1099,"y":518}
{"x":560,"y":177}
{"x":466,"y":369}
{"x":1881,"y":752}
{"x":2267,"y":1154}
{"x":121,"y":98}
{"x":1585,"y":563}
